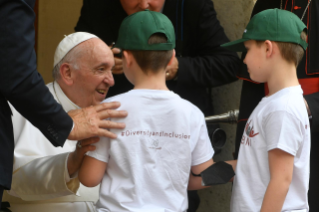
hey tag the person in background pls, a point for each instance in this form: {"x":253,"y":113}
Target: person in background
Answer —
{"x":44,"y":177}
{"x":308,"y":75}
{"x":200,"y":63}
{"x":23,"y":87}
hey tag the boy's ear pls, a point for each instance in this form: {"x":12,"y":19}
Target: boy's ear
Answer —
{"x":66,"y":73}
{"x":128,"y":57}
{"x":269,"y":47}
{"x":172,"y":58}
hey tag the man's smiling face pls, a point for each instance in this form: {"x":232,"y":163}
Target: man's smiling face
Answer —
{"x":94,"y":77}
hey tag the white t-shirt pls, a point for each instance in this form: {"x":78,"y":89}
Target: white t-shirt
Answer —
{"x":149,"y":162}
{"x":279,"y":121}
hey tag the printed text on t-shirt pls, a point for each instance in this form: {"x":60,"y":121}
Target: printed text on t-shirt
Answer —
{"x":154,"y":134}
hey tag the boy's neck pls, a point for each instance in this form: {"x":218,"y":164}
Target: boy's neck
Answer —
{"x":283,"y":75}
{"x":152,"y":81}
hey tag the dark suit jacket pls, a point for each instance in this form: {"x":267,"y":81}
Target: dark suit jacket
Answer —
{"x":202,"y":62}
{"x":22,"y":85}
{"x":252,"y":93}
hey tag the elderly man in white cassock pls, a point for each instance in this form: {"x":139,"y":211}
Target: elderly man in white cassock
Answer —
{"x":45,"y":177}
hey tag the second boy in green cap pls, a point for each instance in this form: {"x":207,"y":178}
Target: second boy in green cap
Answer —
{"x":147,"y":167}
{"x":272,"y":172}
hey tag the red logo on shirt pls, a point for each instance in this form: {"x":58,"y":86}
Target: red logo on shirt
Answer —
{"x":250,"y":130}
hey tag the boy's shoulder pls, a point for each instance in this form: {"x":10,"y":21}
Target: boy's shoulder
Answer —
{"x":188,"y":106}
{"x":115,"y":98}
{"x":289,"y":100}
{"x":131,"y":99}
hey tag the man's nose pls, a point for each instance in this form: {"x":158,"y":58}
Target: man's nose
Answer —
{"x":144,"y":4}
{"x":109,"y":79}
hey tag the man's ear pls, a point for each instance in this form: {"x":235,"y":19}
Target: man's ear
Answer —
{"x":172,"y":58}
{"x":269,"y":48}
{"x":66,"y":73}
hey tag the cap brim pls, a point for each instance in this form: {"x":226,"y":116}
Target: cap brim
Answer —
{"x":237,"y":45}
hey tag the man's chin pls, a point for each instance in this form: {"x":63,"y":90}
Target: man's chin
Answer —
{"x":99,"y":100}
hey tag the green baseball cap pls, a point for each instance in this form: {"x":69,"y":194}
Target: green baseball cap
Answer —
{"x":137,"y":28}
{"x":274,"y":25}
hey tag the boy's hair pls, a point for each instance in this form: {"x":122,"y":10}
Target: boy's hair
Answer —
{"x":153,"y":60}
{"x":291,"y":52}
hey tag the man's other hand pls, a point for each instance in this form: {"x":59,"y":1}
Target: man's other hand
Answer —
{"x":118,"y":66}
{"x":171,"y":70}
{"x":75,"y":158}
{"x":90,"y":121}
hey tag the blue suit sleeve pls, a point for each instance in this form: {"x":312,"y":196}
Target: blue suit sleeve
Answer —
{"x":20,"y":82}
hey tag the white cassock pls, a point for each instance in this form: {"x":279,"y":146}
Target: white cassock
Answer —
{"x":41,"y":181}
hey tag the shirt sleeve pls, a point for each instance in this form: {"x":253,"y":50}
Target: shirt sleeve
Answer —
{"x":20,"y":83}
{"x":44,"y":178}
{"x":283,"y":131}
{"x":102,"y":151}
{"x":203,"y":150}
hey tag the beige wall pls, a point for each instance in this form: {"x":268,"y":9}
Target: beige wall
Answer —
{"x":56,"y":19}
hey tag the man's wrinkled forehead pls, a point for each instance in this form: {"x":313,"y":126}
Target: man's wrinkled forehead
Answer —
{"x":94,"y":46}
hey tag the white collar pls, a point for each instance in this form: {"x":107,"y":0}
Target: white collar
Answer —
{"x":61,"y":98}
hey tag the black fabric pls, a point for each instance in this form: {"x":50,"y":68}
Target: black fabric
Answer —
{"x":218,"y":173}
{"x":4,"y":207}
{"x":202,"y":62}
{"x":193,"y":201}
{"x":22,"y":85}
{"x":252,"y":93}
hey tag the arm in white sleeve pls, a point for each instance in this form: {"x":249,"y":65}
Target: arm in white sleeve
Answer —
{"x":44,"y":178}
{"x":40,"y":169}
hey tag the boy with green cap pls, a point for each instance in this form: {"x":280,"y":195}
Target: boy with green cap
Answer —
{"x":147,"y":167}
{"x":272,"y":172}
